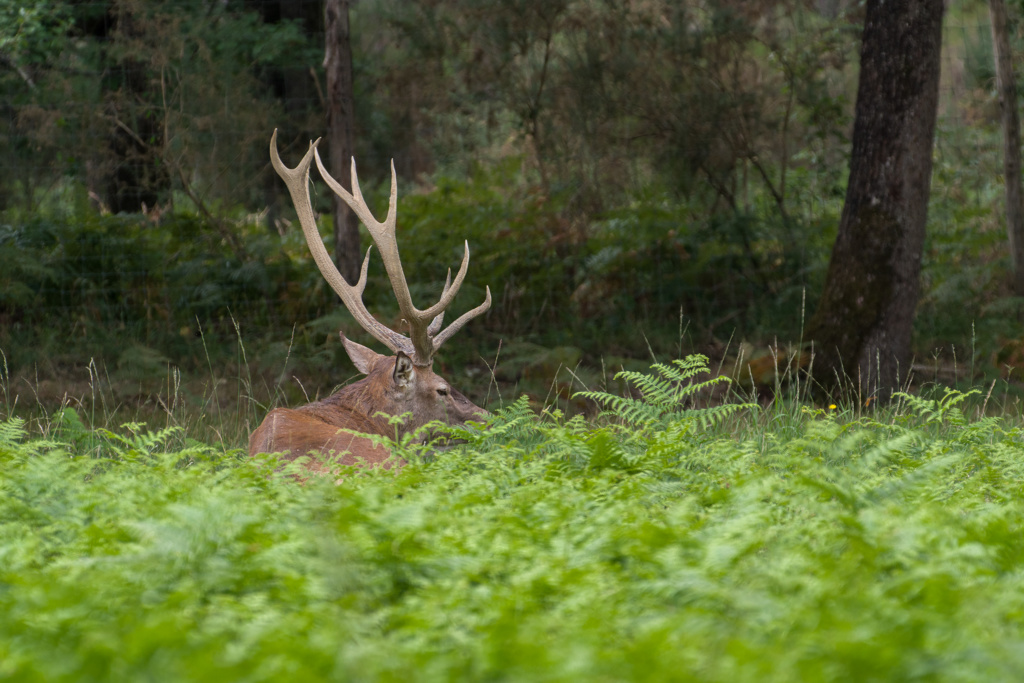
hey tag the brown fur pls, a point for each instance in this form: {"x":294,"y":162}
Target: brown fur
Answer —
{"x":317,"y":427}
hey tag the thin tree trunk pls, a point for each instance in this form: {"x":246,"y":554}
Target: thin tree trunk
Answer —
{"x":136,"y":176}
{"x":1007,"y":88}
{"x":340,"y":110}
{"x":864,"y":321}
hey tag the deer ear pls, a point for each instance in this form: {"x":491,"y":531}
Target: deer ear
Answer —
{"x":403,"y":369}
{"x":363,"y":358}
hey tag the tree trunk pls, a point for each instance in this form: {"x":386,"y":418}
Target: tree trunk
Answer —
{"x":137,"y":177}
{"x":1007,"y":87}
{"x":340,"y":106}
{"x":862,"y":328}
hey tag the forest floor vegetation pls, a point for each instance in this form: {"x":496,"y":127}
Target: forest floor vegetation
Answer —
{"x":663,"y":540}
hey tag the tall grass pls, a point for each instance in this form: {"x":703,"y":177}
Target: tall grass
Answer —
{"x":221,"y":406}
{"x":789,"y":545}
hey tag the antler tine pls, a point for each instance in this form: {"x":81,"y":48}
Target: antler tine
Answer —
{"x":423,"y":324}
{"x":435,"y":324}
{"x":462,"y":320}
{"x":297,"y":180}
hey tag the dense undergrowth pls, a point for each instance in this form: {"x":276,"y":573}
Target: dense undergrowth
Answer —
{"x":240,"y":304}
{"x":724,"y":544}
{"x":139,"y":296}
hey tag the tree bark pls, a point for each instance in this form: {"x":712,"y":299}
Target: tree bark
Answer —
{"x":1007,"y":88}
{"x":864,"y":321}
{"x":340,"y":114}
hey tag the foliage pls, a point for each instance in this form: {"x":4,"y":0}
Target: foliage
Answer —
{"x":665,"y":395}
{"x":967,"y":312}
{"x":138,"y":99}
{"x":697,"y":97}
{"x":30,"y":32}
{"x":543,"y":548}
{"x":141,"y":296}
{"x":966,"y":300}
{"x":638,"y":267}
{"x":113,"y":285}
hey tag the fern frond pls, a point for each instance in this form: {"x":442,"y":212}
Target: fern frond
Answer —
{"x":12,"y":432}
{"x":138,"y":443}
{"x":945,"y":409}
{"x":630,"y":410}
{"x":715,"y":415}
{"x":664,"y":393}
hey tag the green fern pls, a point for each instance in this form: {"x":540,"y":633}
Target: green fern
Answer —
{"x":141,"y":442}
{"x":12,"y":432}
{"x":15,"y":441}
{"x":665,"y":393}
{"x":514,"y":423}
{"x":945,"y":409}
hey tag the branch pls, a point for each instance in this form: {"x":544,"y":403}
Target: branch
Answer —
{"x":9,"y":61}
{"x":719,"y":187}
{"x":316,"y":81}
{"x":779,"y":199}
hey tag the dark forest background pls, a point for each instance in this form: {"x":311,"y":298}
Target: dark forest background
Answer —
{"x":635,"y":179}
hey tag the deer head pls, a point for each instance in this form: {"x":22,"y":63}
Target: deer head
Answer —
{"x":395,"y":385}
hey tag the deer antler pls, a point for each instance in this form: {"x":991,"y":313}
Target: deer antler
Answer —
{"x":425,"y":335}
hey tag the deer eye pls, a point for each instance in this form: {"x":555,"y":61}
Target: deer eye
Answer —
{"x":442,"y":391}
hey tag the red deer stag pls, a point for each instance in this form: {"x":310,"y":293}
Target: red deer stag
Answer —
{"x":403,"y":383}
